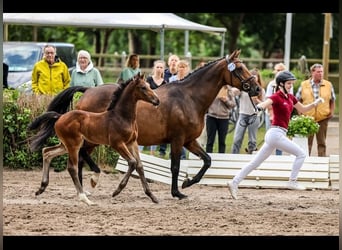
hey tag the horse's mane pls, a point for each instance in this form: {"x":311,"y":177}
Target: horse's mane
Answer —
{"x":117,"y":93}
{"x":199,"y":69}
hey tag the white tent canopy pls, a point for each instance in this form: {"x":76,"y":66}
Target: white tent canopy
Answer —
{"x":154,"y":21}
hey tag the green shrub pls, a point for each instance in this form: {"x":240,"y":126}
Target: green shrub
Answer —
{"x":18,"y":111}
{"x":15,"y":120}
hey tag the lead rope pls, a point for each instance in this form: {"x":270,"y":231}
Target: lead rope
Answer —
{"x":256,"y":110}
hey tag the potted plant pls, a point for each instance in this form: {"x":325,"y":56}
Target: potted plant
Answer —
{"x":300,"y":127}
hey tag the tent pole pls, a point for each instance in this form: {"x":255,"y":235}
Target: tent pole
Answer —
{"x":162,"y":34}
{"x":326,"y":43}
{"x":222,"y":43}
{"x":288,"y":40}
{"x":186,"y":42}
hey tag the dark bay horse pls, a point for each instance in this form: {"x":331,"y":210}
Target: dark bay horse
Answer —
{"x":115,"y":126}
{"x":179,"y":119}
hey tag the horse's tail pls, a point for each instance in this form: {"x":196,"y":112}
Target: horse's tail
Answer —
{"x":61,"y":102}
{"x":46,"y":124}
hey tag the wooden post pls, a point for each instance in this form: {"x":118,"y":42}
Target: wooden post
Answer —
{"x":5,"y":27}
{"x":326,"y":44}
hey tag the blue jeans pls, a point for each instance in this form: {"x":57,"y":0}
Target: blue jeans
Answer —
{"x":250,"y":122}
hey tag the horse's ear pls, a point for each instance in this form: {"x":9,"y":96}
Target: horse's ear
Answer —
{"x":232,"y":56}
{"x":136,"y":77}
{"x":238,"y":53}
{"x":235,"y":54}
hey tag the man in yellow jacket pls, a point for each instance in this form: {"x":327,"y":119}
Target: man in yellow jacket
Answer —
{"x":309,"y":91}
{"x":50,"y":75}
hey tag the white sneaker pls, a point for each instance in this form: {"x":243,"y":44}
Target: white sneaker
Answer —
{"x":294,"y":185}
{"x":233,"y":189}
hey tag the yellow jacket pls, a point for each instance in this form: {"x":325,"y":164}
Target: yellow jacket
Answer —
{"x":322,"y":110}
{"x":50,"y":79}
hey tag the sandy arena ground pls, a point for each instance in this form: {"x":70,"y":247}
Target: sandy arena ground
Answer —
{"x":208,"y":210}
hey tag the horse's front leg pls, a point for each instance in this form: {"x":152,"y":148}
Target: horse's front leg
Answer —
{"x":48,"y":154}
{"x":73,"y":171}
{"x":175,"y":164}
{"x":196,"y":149}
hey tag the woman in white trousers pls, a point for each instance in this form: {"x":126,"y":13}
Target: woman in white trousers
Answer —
{"x":282,"y":102}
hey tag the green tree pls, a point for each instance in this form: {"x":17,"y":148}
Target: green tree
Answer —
{"x":255,"y":33}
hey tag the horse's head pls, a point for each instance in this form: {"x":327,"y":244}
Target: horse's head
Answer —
{"x":240,"y":77}
{"x":144,"y":91}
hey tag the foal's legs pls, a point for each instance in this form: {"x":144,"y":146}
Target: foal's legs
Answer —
{"x":140,"y":170}
{"x":132,"y":157}
{"x":196,"y":149}
{"x":48,"y":154}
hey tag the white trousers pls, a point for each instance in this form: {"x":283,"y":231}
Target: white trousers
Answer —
{"x":274,"y":138}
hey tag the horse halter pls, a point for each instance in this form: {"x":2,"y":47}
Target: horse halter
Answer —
{"x":246,"y":85}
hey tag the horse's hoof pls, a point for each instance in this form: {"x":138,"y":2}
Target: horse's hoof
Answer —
{"x":83,"y":197}
{"x":186,"y":183}
{"x":94,"y":179}
{"x":92,"y":183}
{"x":182,"y":196}
{"x":115,"y":193}
{"x":154,"y":199}
{"x":39,"y":192}
{"x":179,"y":195}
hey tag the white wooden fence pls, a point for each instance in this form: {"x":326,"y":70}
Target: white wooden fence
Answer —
{"x":316,"y":172}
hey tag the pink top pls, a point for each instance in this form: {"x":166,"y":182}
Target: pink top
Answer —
{"x":282,"y":108}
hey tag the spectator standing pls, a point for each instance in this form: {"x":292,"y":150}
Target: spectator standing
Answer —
{"x":270,"y":90}
{"x":283,"y":103}
{"x":170,"y":71}
{"x":217,"y":119}
{"x":132,"y":68}
{"x":182,"y":71}
{"x":248,"y":118}
{"x":156,"y":79}
{"x":311,"y":90}
{"x":172,"y":67}
{"x":50,"y":75}
{"x":85,"y":74}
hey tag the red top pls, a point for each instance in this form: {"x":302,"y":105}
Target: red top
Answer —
{"x":282,"y":108}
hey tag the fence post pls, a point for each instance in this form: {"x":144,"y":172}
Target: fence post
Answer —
{"x":188,"y":57}
{"x":115,"y":60}
{"x":123,"y":59}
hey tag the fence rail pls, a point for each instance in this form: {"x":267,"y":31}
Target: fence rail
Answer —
{"x":113,"y":63}
{"x":274,"y":172}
